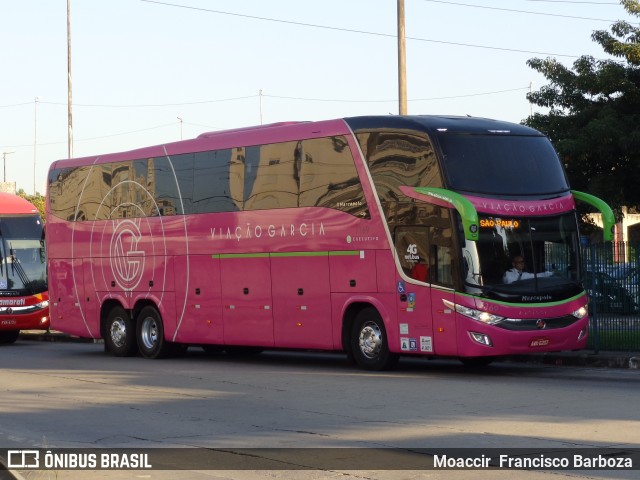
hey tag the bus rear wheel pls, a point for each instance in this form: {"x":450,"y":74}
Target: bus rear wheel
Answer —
{"x":369,"y":344}
{"x":150,"y":334}
{"x":120,"y":338}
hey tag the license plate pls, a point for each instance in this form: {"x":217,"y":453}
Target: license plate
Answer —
{"x":539,"y":342}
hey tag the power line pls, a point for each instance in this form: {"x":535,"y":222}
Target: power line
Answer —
{"x":155,"y":104}
{"x":574,"y":2}
{"x":363,"y":32}
{"x":518,"y":11}
{"x":284,"y":97}
{"x":269,"y":96}
{"x":17,"y":104}
{"x":96,"y":138}
{"x":395,"y":99}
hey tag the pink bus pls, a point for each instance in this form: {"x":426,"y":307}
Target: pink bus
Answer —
{"x":378,"y":236}
{"x":24,"y":300}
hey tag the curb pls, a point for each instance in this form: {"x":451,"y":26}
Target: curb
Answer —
{"x":54,"y":336}
{"x":582,"y":358}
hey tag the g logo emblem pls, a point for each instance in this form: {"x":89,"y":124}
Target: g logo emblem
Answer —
{"x":127,"y":262}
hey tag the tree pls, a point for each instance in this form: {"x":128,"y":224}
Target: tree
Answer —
{"x":37,"y":200}
{"x":594,"y":114}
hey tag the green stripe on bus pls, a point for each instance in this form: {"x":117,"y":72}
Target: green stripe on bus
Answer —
{"x":462,"y":204}
{"x":340,"y":253}
{"x":241,"y":255}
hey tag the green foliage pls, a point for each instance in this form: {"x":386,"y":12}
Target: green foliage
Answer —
{"x":594,"y":116}
{"x":37,"y":200}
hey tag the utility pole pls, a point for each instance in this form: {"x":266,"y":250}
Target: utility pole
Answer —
{"x":402,"y":61}
{"x":35,"y":141}
{"x":69,"y":103}
{"x":4,"y":159}
{"x":260,"y":95}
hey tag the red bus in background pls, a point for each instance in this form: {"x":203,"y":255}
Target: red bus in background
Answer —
{"x":24,"y":299}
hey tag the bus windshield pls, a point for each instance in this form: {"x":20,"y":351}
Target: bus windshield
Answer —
{"x":511,"y":164}
{"x":527,"y":259}
{"x":22,"y":256}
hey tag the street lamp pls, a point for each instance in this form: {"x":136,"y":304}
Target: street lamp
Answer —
{"x":4,"y":159}
{"x":180,"y":126}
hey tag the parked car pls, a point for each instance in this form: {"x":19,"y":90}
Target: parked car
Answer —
{"x":607,"y":295}
{"x":624,"y":271}
{"x":632,"y":283}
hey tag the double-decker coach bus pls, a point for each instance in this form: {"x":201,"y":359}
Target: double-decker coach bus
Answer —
{"x":378,"y":236}
{"x":24,"y":300}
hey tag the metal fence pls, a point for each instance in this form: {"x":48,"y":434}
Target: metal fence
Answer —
{"x":611,"y":274}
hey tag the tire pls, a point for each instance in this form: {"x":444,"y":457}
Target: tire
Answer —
{"x":9,"y":336}
{"x":150,"y":334}
{"x":120,"y":333}
{"x":369,"y":343}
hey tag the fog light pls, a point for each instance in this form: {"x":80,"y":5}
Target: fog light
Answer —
{"x":481,"y":338}
{"x":582,"y":334}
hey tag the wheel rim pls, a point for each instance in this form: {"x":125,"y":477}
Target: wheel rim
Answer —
{"x":118,"y":332}
{"x":370,"y":340}
{"x":149,"y":333}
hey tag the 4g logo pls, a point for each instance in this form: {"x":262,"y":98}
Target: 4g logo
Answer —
{"x":412,"y":253}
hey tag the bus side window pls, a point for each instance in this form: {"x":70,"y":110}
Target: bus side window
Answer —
{"x":412,"y":249}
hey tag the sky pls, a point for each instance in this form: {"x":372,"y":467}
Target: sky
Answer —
{"x":148,"y":72}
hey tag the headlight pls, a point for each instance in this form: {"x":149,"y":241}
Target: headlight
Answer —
{"x":580,"y":313}
{"x":477,"y":315}
{"x":44,"y":304}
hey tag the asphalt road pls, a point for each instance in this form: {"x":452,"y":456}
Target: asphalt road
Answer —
{"x":73,"y":395}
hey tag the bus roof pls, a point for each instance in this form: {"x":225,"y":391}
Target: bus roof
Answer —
{"x":287,"y":131}
{"x":11,"y":204}
{"x":440,"y":123}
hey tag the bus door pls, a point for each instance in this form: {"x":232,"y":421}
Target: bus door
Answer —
{"x":425,"y":255}
{"x":69,"y":300}
{"x":413,"y":297}
{"x":247,"y":309}
{"x":441,"y":276}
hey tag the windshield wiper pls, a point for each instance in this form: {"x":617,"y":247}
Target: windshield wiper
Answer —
{"x":16,"y":267}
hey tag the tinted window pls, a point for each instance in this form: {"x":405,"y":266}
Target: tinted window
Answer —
{"x":212,"y":182}
{"x":162,"y":183}
{"x":61,"y":205}
{"x":501,"y":165}
{"x":122,"y":205}
{"x":272,"y":176}
{"x":399,"y":159}
{"x":328,"y":177}
{"x":81,"y":193}
{"x":425,"y":252}
{"x":314,"y":173}
{"x":183,"y":168}
{"x":141,"y":197}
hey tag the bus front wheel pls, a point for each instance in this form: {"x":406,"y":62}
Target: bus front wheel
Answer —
{"x":150,"y":332}
{"x":120,"y":338}
{"x":9,"y":336}
{"x":369,"y":344}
